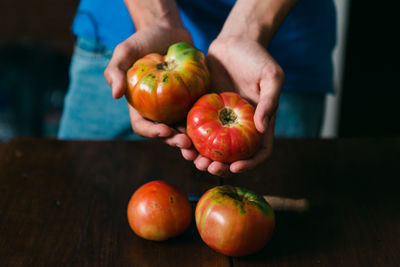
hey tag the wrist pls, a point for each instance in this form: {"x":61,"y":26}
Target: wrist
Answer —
{"x":243,"y":29}
{"x":149,"y":13}
{"x":256,"y":20}
{"x":162,"y":21}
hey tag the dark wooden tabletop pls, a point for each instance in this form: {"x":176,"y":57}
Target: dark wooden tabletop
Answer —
{"x":63,"y":203}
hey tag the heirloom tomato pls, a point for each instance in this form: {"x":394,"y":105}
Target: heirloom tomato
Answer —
{"x":163,"y":88}
{"x":222,"y":128}
{"x":234,"y":221}
{"x":158,"y":211}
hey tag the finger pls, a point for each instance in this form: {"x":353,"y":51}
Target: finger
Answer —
{"x":202,"y":163}
{"x":179,"y":140}
{"x":189,"y":153}
{"x":219,"y":169}
{"x":146,"y":128}
{"x":264,"y":153}
{"x":116,"y":79}
{"x":181,"y":129}
{"x":270,"y":89}
{"x":125,"y":54}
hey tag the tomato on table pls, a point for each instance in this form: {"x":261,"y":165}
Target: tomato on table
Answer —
{"x":163,"y":88}
{"x":234,"y":221}
{"x":158,"y":211}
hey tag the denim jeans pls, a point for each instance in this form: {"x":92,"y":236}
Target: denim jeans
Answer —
{"x":90,"y":112}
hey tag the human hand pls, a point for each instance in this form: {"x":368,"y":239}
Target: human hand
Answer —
{"x":152,"y":39}
{"x":244,"y":66}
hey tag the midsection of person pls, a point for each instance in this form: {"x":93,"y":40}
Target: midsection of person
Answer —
{"x":302,"y":46}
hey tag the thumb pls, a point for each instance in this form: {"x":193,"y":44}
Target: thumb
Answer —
{"x":263,"y":114}
{"x":122,"y":59}
{"x":270,"y":89}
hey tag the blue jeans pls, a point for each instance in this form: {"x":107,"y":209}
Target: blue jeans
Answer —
{"x":90,"y":112}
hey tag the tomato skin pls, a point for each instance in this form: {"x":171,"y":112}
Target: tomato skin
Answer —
{"x":158,"y":211}
{"x":225,"y":143}
{"x":234,"y":221}
{"x":163,"y":88}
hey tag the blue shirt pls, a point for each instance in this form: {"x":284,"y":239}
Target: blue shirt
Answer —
{"x":302,"y":46}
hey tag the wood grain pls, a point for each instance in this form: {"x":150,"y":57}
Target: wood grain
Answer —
{"x":352,"y":186}
{"x":64,"y":203}
{"x":38,"y":21}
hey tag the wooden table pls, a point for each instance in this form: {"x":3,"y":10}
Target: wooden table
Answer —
{"x":63,"y":203}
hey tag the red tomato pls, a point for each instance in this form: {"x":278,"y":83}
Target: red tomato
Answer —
{"x":158,"y":211}
{"x":234,"y":221}
{"x":222,"y":127}
{"x":163,"y":88}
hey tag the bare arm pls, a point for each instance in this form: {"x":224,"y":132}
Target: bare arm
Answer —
{"x":256,"y":20}
{"x":158,"y":25}
{"x":238,"y":61}
{"x":146,"y":13}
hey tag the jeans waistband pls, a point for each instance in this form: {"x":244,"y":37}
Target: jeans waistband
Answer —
{"x":90,"y":45}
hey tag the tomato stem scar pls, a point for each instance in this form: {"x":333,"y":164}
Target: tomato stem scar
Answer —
{"x":227,"y":117}
{"x":167,"y":65}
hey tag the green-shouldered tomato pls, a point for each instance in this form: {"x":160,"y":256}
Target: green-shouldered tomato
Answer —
{"x":234,"y":221}
{"x":163,"y":88}
{"x":222,"y":128}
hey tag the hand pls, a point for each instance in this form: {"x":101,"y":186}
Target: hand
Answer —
{"x":154,"y":39}
{"x":244,"y":66}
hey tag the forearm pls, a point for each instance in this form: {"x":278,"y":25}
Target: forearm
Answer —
{"x":145,"y":13}
{"x":256,"y":19}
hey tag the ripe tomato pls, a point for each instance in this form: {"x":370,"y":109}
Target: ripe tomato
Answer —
{"x":158,"y":211}
{"x":163,"y":88}
{"x":222,"y":127}
{"x":234,"y":221}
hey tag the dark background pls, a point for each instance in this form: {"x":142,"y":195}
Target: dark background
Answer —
{"x":371,"y":92}
{"x":36,"y":44}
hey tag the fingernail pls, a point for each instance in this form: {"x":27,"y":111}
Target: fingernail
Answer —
{"x":163,"y":134}
{"x":265,"y":121}
{"x":113,"y":90}
{"x":238,"y":170}
{"x":112,"y":85}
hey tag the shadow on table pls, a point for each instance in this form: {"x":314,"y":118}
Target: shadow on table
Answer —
{"x":354,"y":205}
{"x":298,"y":234}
